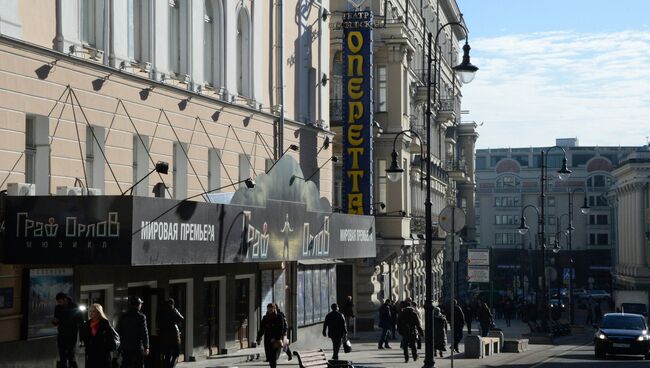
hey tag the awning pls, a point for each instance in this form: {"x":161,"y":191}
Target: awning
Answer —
{"x":312,"y":262}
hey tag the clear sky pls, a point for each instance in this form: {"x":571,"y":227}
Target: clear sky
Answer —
{"x":559,"y":68}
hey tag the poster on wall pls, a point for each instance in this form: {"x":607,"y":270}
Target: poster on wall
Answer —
{"x":332,"y":278}
{"x":44,"y":284}
{"x":300,"y":303}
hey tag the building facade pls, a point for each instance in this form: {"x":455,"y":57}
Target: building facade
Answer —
{"x":509,"y":179}
{"x":94,"y":94}
{"x":631,"y":196}
{"x":399,"y":96}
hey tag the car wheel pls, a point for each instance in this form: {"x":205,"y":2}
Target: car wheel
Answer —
{"x":600,"y":354}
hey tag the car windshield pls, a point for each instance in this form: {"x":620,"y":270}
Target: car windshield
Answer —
{"x":623,"y":323}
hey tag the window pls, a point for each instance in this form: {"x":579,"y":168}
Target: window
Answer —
{"x":599,"y":181}
{"x":599,"y":239}
{"x":523,"y":160}
{"x":138,"y":35}
{"x":214,"y":169}
{"x":37,"y":153}
{"x":140,"y":164}
{"x":381,"y":89}
{"x":175,"y":36}
{"x":94,"y":157}
{"x":213,"y":43}
{"x":88,"y":15}
{"x":481,"y":163}
{"x":243,"y":64}
{"x":315,"y":292}
{"x":337,"y":195}
{"x":506,"y":201}
{"x":506,"y":220}
{"x":508,"y":182}
{"x":494,"y":160}
{"x":551,"y":220}
{"x":507,"y":238}
{"x":597,"y":201}
{"x":180,"y":170}
{"x":598,"y":220}
{"x":581,"y":159}
{"x":244,"y":168}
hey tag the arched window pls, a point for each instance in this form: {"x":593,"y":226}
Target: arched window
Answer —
{"x":508,"y":182}
{"x":213,"y":36}
{"x":243,"y":64}
{"x":599,"y":181}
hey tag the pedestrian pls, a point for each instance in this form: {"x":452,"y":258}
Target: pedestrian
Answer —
{"x":385,"y":320}
{"x":409,"y":327}
{"x":134,"y":334}
{"x":274,"y":330}
{"x":67,"y":319}
{"x":508,"y":309}
{"x":99,"y":338}
{"x":469,"y":316}
{"x":598,"y":313}
{"x":439,"y":331}
{"x":347,"y":308}
{"x":286,"y":347}
{"x":393,"y":318}
{"x":485,"y":319}
{"x":169,"y":333}
{"x":336,"y":328}
{"x":459,"y":322}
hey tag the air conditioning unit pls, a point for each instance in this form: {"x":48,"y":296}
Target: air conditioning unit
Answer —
{"x":77,"y":191}
{"x":145,"y":66}
{"x":21,"y":189}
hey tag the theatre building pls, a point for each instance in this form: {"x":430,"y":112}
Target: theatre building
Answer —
{"x":127,"y":132}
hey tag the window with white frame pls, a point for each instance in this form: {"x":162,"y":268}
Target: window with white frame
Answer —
{"x":88,"y":16}
{"x":180,"y":170}
{"x":244,"y":168}
{"x":381,"y":89}
{"x":140,"y":164}
{"x":175,"y":36}
{"x":243,"y":64}
{"x":30,"y":151}
{"x":213,"y":33}
{"x":381,"y":185}
{"x":137,"y":24}
{"x":214,"y":169}
{"x":37,"y":153}
{"x":94,"y":158}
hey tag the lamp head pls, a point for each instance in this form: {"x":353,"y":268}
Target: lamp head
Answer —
{"x":523,"y":228}
{"x":556,"y":248}
{"x":564,"y":172}
{"x":394,"y":172}
{"x":293,"y":147}
{"x":250,"y":183}
{"x":162,"y":167}
{"x":292,"y":179}
{"x":465,"y":70}
{"x":335,"y":159}
{"x":585,"y":208}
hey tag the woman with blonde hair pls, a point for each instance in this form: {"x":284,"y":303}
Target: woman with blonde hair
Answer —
{"x":100,"y":339}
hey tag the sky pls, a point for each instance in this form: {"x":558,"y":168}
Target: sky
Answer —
{"x":559,"y":69}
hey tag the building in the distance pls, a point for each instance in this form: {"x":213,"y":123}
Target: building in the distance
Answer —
{"x":509,"y":179}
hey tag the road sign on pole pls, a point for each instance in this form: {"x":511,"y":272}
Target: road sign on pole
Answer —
{"x":452,"y":219}
{"x":478,"y":274}
{"x":478,"y":257}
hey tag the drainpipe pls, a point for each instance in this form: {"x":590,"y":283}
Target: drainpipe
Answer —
{"x":280,"y":143}
{"x":319,"y":76}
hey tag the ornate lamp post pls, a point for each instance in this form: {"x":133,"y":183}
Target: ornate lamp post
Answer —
{"x":585,"y":211}
{"x":465,"y":71}
{"x":563,"y":174}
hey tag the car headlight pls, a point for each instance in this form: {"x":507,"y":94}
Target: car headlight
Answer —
{"x":601,"y":336}
{"x":643,"y":338}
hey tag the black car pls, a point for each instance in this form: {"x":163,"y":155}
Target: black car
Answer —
{"x":624,"y":334}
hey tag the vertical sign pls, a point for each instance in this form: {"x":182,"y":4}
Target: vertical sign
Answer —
{"x":357,"y":112}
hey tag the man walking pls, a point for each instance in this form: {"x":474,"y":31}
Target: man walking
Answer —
{"x":134,"y":335}
{"x":409,"y":326}
{"x":67,"y":319}
{"x":385,"y":320}
{"x":169,"y":333}
{"x":459,"y":323}
{"x":335,"y":327}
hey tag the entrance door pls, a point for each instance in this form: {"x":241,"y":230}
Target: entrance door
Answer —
{"x":152,"y":298}
{"x":212,"y":308}
{"x":178,"y":292}
{"x":241,"y":311}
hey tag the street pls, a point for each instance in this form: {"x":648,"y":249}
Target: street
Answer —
{"x":576,"y":351}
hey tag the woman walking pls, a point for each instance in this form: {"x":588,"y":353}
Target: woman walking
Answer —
{"x":99,"y":338}
{"x":439,"y":331}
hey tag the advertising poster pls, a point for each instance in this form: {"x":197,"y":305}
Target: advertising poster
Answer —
{"x":300,"y":302}
{"x":44,"y":284}
{"x":309,"y":305}
{"x":324,"y":302}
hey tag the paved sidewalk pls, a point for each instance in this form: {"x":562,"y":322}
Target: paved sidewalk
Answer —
{"x":365,"y":352}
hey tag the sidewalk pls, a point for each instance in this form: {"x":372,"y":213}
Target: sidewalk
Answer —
{"x":365,"y":352}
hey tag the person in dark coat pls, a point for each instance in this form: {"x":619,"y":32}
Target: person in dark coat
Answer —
{"x":99,"y":338}
{"x":385,"y":322}
{"x":169,"y":333}
{"x":459,"y":323}
{"x":508,"y":310}
{"x":409,"y":326}
{"x":134,"y":334}
{"x":393,"y":318}
{"x":286,"y":328}
{"x":439,"y":331}
{"x":274,"y":329}
{"x":469,"y":317}
{"x":336,"y":328}
{"x":347,"y":309}
{"x":485,"y":319}
{"x":67,"y":319}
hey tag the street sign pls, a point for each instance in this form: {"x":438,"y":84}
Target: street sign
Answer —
{"x":478,"y":257}
{"x":456,"y":248}
{"x":452,"y":219}
{"x":478,"y":274}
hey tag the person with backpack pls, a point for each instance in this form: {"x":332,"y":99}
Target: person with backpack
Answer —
{"x":99,"y":338}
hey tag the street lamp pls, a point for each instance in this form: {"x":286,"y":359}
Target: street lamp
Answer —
{"x":585,"y":211}
{"x":465,"y":71}
{"x":563,"y":174}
